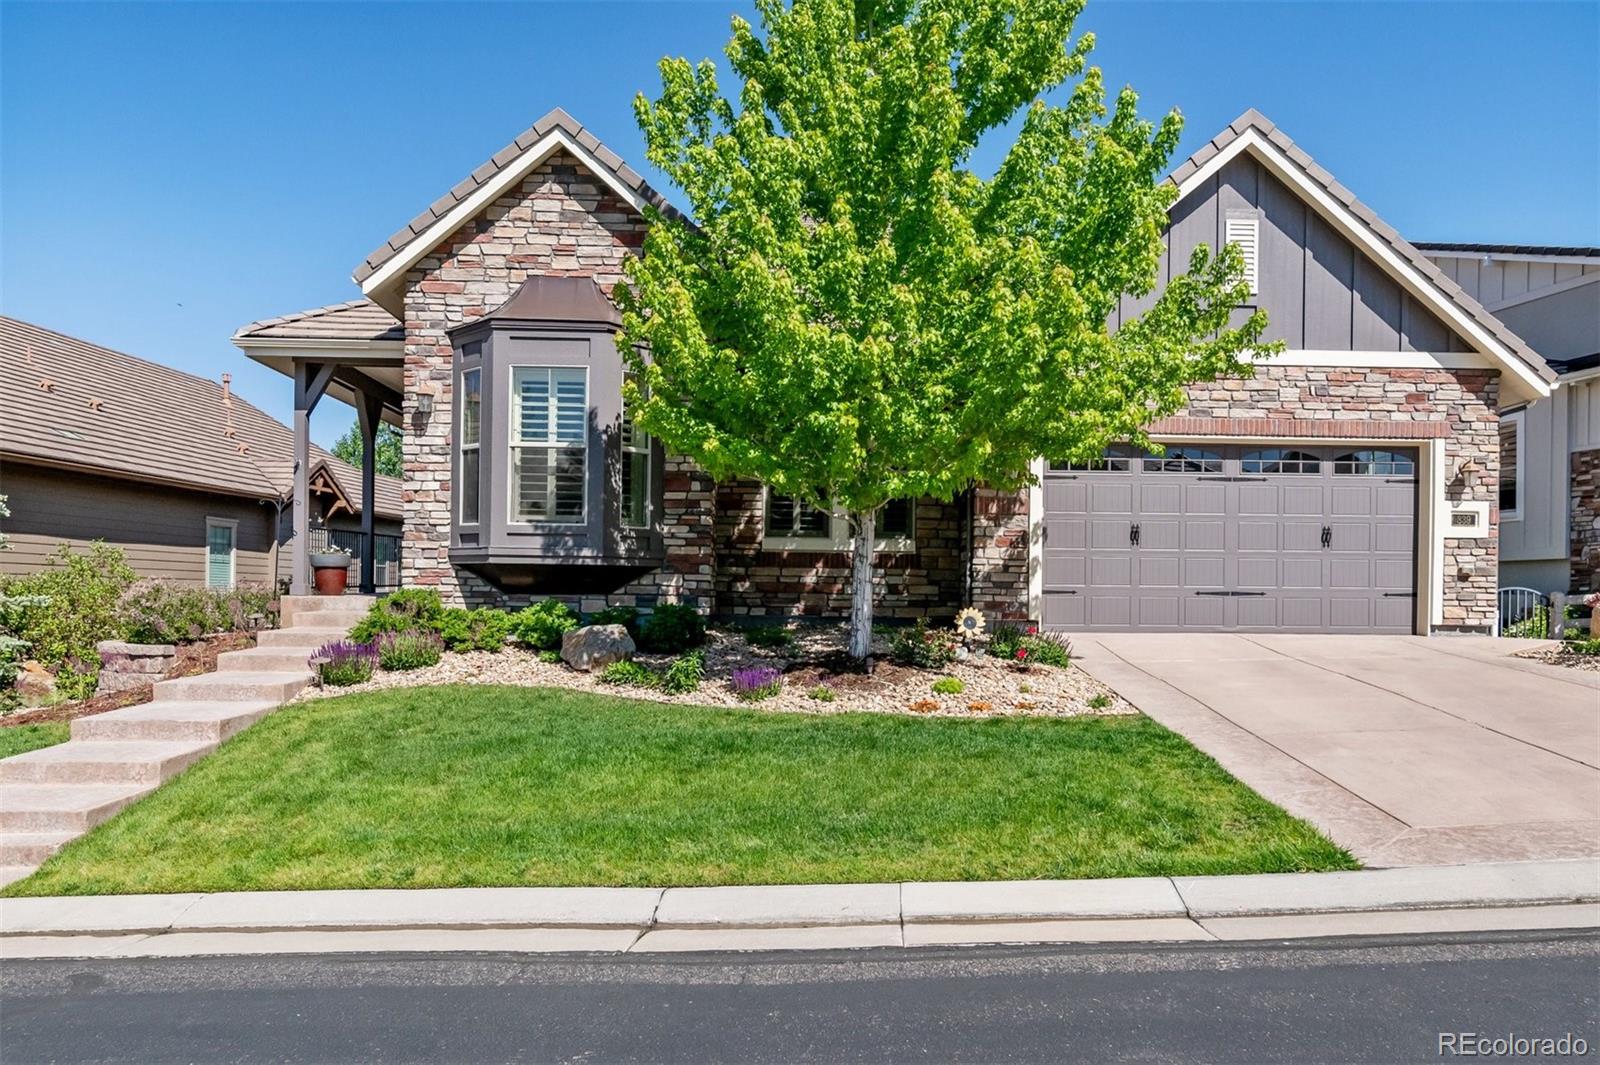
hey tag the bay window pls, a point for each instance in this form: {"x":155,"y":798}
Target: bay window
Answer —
{"x":549,"y":448}
{"x":471,"y":444}
{"x":635,"y":472}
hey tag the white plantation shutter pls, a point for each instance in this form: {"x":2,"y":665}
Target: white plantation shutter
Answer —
{"x":1245,"y":232}
{"x":549,"y":445}
{"x":219,"y":554}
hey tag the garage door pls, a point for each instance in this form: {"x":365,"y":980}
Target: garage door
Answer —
{"x":1203,"y":537}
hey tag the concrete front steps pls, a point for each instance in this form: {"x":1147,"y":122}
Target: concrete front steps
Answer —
{"x":51,"y":796}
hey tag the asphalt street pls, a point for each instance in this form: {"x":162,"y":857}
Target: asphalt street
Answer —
{"x":1336,"y":1001}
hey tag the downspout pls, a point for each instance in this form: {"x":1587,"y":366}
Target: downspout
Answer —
{"x":969,"y":507}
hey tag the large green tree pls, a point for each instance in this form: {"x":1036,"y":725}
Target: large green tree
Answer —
{"x":855,"y":315}
{"x":387,"y":443}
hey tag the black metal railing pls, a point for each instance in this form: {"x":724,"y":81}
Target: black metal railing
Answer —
{"x":386,"y":555}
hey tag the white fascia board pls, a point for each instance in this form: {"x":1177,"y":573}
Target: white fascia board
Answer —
{"x":1396,"y":360}
{"x":1353,"y":230}
{"x":486,"y":194}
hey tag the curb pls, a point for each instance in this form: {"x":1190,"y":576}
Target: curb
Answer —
{"x":1514,"y":895}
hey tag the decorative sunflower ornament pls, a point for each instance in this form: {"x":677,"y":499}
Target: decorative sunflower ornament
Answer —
{"x":969,"y":623}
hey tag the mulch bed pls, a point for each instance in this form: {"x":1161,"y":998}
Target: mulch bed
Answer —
{"x":193,"y":659}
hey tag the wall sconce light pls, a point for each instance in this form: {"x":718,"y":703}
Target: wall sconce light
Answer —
{"x":424,"y":403}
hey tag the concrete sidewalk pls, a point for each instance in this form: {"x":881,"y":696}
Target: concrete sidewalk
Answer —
{"x":1518,"y":895}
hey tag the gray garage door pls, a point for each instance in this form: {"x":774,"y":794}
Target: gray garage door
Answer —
{"x":1213,"y":538}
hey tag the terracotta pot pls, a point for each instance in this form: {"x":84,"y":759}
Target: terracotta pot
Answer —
{"x":330,"y":580}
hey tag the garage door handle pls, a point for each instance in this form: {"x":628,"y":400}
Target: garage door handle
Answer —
{"x":1327,"y":536}
{"x":1133,"y":534}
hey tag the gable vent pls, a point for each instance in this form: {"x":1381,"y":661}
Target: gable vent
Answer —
{"x":1245,"y":232}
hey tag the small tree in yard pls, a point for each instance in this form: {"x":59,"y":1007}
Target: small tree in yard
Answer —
{"x":855,"y":316}
{"x":387,"y":444}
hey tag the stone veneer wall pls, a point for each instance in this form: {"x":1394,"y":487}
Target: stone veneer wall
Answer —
{"x":754,"y":582}
{"x":1586,"y":521}
{"x":559,"y":221}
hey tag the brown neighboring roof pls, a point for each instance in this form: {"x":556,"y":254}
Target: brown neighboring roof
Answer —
{"x":555,"y":120}
{"x":1510,"y":249}
{"x":1253,"y":119}
{"x":115,"y":414}
{"x":352,"y":320}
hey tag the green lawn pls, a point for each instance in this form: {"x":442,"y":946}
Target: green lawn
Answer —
{"x":15,"y":739}
{"x":455,"y":786}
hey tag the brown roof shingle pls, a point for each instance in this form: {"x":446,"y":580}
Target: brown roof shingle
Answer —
{"x":127,"y":417}
{"x":352,"y":320}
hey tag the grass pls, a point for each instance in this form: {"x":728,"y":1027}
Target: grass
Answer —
{"x":17,"y":739}
{"x":457,"y":786}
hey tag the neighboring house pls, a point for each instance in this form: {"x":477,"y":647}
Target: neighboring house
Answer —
{"x":1348,"y":486}
{"x":190,"y":481}
{"x":1549,"y":451}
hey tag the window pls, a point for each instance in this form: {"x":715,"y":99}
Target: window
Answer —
{"x":1511,"y":466}
{"x":1115,"y":460}
{"x":1279,"y":460}
{"x":897,"y":520}
{"x":1184,"y":460}
{"x":1374,"y":463}
{"x":635,"y":472}
{"x":790,"y":518}
{"x":471,"y":436}
{"x":220,"y":536}
{"x":1245,"y":231}
{"x":549,"y":443}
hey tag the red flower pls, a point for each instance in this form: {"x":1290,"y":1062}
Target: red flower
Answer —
{"x":1033,"y":630}
{"x":1022,"y":652}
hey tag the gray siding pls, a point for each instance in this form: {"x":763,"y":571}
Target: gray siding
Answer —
{"x":1559,"y":325}
{"x":1507,"y":279}
{"x":161,"y":530}
{"x":1320,"y":293}
{"x":1541,"y":531}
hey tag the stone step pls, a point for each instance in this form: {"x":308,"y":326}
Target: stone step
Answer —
{"x":208,"y":722}
{"x":344,"y":620}
{"x":73,"y":808}
{"x":231,"y":687}
{"x":10,"y":874}
{"x":31,"y":848}
{"x":301,"y":609}
{"x":266,"y":660}
{"x":309,"y":637}
{"x":104,"y":762}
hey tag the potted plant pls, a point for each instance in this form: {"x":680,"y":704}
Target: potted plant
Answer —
{"x":330,"y":570}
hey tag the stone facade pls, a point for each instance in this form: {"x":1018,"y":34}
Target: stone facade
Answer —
{"x":1586,"y":521}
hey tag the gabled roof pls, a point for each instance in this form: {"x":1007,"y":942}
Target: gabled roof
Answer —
{"x":113,"y":414}
{"x":556,"y":130}
{"x":1254,"y":132}
{"x":356,"y":320}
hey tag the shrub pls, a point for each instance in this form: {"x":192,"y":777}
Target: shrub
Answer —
{"x":550,"y":658}
{"x":949,"y":686}
{"x":83,"y":591}
{"x":684,"y":673}
{"x":1534,"y":625}
{"x":1004,"y":639}
{"x":1590,"y":646}
{"x":157,"y":611}
{"x":626,"y":616}
{"x":629,"y":674}
{"x":1100,"y":702}
{"x":402,"y":611}
{"x":483,"y":629}
{"x":671,"y":629}
{"x":401,"y":651}
{"x":822,"y":694}
{"x":542,"y":625}
{"x":1047,"y":649}
{"x":760,"y":682}
{"x":344,"y":662}
{"x":922,"y":647}
{"x":771,"y":636}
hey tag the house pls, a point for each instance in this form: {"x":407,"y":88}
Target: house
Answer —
{"x":1549,"y":450}
{"x":1348,"y":486}
{"x":189,"y":480}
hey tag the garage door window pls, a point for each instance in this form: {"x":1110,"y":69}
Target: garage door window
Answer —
{"x":1279,"y":460}
{"x":1184,"y":460}
{"x":1115,"y":460}
{"x":1374,"y":464}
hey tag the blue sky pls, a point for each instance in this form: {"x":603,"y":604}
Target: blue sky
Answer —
{"x":171,"y":171}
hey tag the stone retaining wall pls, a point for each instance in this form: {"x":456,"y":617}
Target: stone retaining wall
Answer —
{"x":132,"y":665}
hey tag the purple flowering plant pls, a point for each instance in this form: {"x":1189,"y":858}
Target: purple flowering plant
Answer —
{"x":343,"y":663}
{"x":755,"y":682}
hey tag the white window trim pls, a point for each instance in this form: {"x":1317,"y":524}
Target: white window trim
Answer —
{"x":512,"y":444}
{"x":232,"y":525}
{"x":462,"y":447}
{"x":838,"y":538}
{"x":1515,"y":418}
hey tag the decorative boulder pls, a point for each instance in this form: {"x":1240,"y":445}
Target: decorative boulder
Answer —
{"x":35,"y":685}
{"x":596,"y":646}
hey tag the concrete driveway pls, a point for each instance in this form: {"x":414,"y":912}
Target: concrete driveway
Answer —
{"x":1406,"y":750}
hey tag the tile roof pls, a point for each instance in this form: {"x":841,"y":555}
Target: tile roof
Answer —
{"x":485,"y":173}
{"x":352,"y":320}
{"x":1510,"y":249}
{"x":126,"y":417}
{"x":1253,"y":119}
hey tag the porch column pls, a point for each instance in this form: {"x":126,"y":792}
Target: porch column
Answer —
{"x":369,"y":411}
{"x":310,"y":381}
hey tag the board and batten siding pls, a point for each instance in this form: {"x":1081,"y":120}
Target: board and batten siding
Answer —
{"x":160,"y":529}
{"x":1320,"y":293}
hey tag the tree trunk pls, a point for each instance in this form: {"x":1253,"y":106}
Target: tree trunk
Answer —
{"x":863,"y":526}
